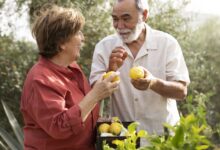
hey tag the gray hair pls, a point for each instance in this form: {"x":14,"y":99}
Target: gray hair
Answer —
{"x":142,"y":5}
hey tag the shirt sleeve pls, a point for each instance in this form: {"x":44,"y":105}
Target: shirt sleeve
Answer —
{"x":99,"y":63}
{"x":47,"y":108}
{"x":176,"y":69}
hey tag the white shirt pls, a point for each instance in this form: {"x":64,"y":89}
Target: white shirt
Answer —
{"x":162,"y":56}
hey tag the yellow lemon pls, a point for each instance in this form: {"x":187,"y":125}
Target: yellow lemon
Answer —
{"x":103,"y":128}
{"x":108,"y":74}
{"x":115,"y":128}
{"x":136,"y":73}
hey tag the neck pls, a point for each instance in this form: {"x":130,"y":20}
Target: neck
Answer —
{"x":58,"y":60}
{"x":136,"y":45}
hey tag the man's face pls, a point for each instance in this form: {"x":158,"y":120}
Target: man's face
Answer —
{"x":127,"y":20}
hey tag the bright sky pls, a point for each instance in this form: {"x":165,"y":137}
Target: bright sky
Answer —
{"x":23,"y":31}
{"x":205,"y":6}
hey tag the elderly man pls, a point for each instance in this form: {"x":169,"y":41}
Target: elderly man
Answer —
{"x":150,"y":100}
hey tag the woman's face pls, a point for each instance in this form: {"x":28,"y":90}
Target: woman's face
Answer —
{"x":71,"y":48}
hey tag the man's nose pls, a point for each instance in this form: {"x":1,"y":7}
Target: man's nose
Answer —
{"x":120,"y":24}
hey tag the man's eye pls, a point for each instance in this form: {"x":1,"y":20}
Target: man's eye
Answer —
{"x":126,"y":19}
{"x":115,"y":19}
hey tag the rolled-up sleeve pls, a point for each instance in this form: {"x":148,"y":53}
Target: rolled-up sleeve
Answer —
{"x":176,"y":69}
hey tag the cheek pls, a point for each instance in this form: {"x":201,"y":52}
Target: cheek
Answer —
{"x":115,"y":25}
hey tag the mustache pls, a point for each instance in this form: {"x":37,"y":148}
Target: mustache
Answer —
{"x":121,"y":31}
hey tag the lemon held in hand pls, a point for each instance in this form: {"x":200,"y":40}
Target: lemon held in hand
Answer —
{"x":136,"y":73}
{"x":115,"y":128}
{"x":104,"y":128}
{"x":109,"y":73}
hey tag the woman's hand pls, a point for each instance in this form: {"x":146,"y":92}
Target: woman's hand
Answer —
{"x":105,"y":87}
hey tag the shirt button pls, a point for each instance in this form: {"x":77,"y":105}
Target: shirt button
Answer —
{"x":135,"y":99}
{"x":72,"y":78}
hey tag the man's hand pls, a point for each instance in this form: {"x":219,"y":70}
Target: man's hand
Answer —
{"x":143,"y":83}
{"x":170,"y":89}
{"x":117,"y":58}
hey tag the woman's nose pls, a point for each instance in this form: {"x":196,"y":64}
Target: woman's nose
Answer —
{"x":82,"y":36}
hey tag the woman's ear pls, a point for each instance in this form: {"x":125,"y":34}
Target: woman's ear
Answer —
{"x":61,"y":46}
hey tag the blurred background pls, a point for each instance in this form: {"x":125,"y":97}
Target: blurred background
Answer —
{"x":195,"y":24}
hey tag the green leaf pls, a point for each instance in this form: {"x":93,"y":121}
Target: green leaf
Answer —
{"x":132,"y":127}
{"x":142,"y":133}
{"x":178,"y":137}
{"x":11,"y":142}
{"x":202,"y":147}
{"x":118,"y":142}
{"x":3,"y":146}
{"x":190,"y":118}
{"x":14,"y":123}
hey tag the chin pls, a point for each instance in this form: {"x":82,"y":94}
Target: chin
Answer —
{"x":127,"y":41}
{"x":77,"y":57}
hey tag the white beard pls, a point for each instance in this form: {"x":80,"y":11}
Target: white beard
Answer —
{"x":132,"y":34}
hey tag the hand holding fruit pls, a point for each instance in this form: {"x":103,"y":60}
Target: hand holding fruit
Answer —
{"x":137,"y":73}
{"x":142,"y":79}
{"x":108,"y":74}
{"x":105,"y":86}
{"x":117,"y":58}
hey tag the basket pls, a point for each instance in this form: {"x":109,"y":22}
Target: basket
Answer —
{"x":109,"y":139}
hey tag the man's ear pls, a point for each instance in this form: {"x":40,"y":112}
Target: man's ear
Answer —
{"x":145,"y":15}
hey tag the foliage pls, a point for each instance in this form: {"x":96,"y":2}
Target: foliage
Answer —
{"x":187,"y":135}
{"x":202,"y":57}
{"x":11,"y":142}
{"x":200,"y":47}
{"x":2,"y":3}
{"x":167,"y":16}
{"x":130,"y":142}
{"x":15,"y":59}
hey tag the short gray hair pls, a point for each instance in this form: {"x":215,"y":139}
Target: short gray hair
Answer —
{"x":142,"y":5}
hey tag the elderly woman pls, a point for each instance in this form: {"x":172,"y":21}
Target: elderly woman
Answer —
{"x":59,"y":108}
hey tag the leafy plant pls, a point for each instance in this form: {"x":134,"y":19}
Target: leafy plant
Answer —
{"x":130,"y":142}
{"x":12,"y":143}
{"x":187,"y":135}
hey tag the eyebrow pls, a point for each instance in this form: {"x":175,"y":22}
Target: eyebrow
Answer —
{"x":122,"y":16}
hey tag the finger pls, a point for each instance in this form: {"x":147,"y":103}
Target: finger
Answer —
{"x":118,"y":54}
{"x":102,"y":77}
{"x":119,"y":48}
{"x":125,"y":55}
{"x":115,"y":84}
{"x":112,"y":76}
{"x":146,"y":72}
{"x":114,"y":89}
{"x":117,"y":61}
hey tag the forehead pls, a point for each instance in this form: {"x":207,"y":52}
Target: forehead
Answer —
{"x":124,"y":7}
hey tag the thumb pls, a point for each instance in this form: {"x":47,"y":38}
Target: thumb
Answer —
{"x":125,"y":55}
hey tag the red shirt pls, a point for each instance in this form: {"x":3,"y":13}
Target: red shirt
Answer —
{"x":49,"y":105}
